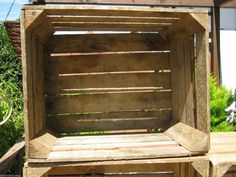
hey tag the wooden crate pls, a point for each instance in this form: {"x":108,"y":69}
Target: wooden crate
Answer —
{"x":102,"y":68}
{"x":167,"y":167}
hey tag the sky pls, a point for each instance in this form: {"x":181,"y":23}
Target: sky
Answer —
{"x":15,"y":12}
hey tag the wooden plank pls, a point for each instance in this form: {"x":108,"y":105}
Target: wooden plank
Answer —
{"x":106,"y":43}
{"x":139,"y":153}
{"x":202,"y":79}
{"x":107,"y":63}
{"x":110,"y":139}
{"x":215,"y":59}
{"x":113,"y":11}
{"x":75,"y":125}
{"x":94,"y":18}
{"x":108,"y":102}
{"x":8,"y":159}
{"x":112,"y":120}
{"x":177,"y":32}
{"x":106,"y":82}
{"x":190,"y":138}
{"x":42,"y":145}
{"x":205,"y":3}
{"x":109,"y":26}
{"x":79,"y":147}
{"x":168,"y":167}
{"x":189,"y":82}
{"x":168,"y":174}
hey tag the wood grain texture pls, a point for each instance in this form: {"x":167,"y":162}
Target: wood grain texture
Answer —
{"x":109,"y":26}
{"x":132,"y":2}
{"x":107,"y":63}
{"x":106,"y":43}
{"x":108,"y":102}
{"x":115,"y":147}
{"x":202,"y":80}
{"x":190,"y":138}
{"x":107,"y":82}
{"x":110,"y":120}
{"x":95,"y":18}
{"x":182,"y":81}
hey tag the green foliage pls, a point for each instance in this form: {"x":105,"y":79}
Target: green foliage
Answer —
{"x":221,"y":98}
{"x":11,"y":89}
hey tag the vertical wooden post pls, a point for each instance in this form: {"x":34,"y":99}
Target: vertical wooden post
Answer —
{"x":215,"y":57}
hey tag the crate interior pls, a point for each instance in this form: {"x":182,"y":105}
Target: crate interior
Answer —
{"x":108,"y":69}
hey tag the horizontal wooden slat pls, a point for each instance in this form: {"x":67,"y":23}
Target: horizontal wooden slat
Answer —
{"x":208,"y":3}
{"x":106,"y":43}
{"x":118,"y":154}
{"x":107,"y":63}
{"x":107,"y":121}
{"x":74,"y":125}
{"x":113,"y":11}
{"x":167,"y":174}
{"x":114,"y":26}
{"x":68,"y":18}
{"x":105,"y":82}
{"x":112,"y":169}
{"x":108,"y":102}
{"x":79,"y":147}
{"x":110,"y":139}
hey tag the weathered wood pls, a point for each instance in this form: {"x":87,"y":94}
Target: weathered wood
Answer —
{"x":177,"y":32}
{"x":112,"y":120}
{"x":41,"y":146}
{"x":35,"y":172}
{"x":201,"y":80}
{"x":206,"y":3}
{"x":8,"y":159}
{"x":123,"y":101}
{"x":109,"y":26}
{"x":70,"y":18}
{"x":94,"y":43}
{"x":107,"y":82}
{"x":75,"y":125}
{"x":107,"y":63}
{"x":167,"y":167}
{"x":182,"y":75}
{"x":190,"y":138}
{"x":113,"y":147}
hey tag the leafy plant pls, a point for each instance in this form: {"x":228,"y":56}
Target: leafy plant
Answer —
{"x":220,"y":99}
{"x":11,"y":89}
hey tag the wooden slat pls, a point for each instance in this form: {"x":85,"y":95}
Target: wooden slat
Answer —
{"x":117,"y":146}
{"x":94,"y":18}
{"x":116,"y":154}
{"x":110,"y":139}
{"x":109,"y":26}
{"x":106,"y":43}
{"x":202,"y":78}
{"x":113,"y":11}
{"x":139,"y":168}
{"x":168,"y":174}
{"x":205,"y":3}
{"x":107,"y":63}
{"x":102,"y":82}
{"x":79,"y":147}
{"x":75,"y":125}
{"x":108,"y":102}
{"x":106,"y":121}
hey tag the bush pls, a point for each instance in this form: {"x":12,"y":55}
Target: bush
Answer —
{"x":11,"y":89}
{"x":220,"y":99}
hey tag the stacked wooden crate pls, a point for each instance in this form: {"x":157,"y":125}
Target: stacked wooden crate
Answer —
{"x":101,"y":68}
